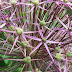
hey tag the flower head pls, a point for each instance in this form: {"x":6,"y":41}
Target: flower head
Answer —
{"x":19,"y":31}
{"x":36,"y":2}
{"x":68,"y":53}
{"x":27,"y":60}
{"x":11,"y":39}
{"x":58,"y":56}
{"x":13,"y":1}
{"x":24,"y":44}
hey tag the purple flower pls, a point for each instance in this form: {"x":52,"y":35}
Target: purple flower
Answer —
{"x":31,"y":31}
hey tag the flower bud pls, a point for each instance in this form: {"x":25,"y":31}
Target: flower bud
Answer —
{"x":58,"y":49}
{"x":11,"y":28}
{"x":27,"y":60}
{"x":13,"y":1}
{"x":11,"y":39}
{"x":68,"y":54}
{"x":24,"y":44}
{"x":66,"y":1}
{"x":58,"y":56}
{"x":36,"y":2}
{"x":19,"y":31}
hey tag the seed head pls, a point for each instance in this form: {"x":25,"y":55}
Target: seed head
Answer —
{"x":70,"y":29}
{"x":11,"y":39}
{"x":58,"y":56}
{"x":36,"y":2}
{"x":27,"y":60}
{"x":68,"y":53}
{"x":11,"y":28}
{"x":13,"y":1}
{"x":58,"y":49}
{"x":24,"y":44}
{"x":19,"y":31}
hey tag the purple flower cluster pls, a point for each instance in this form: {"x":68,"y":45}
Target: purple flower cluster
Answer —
{"x":37,"y":34}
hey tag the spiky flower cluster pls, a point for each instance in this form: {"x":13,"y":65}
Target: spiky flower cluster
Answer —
{"x":36,"y":35}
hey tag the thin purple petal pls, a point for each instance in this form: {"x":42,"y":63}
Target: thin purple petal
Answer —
{"x":30,"y":32}
{"x":32,"y":37}
{"x":49,"y":1}
{"x":7,"y":31}
{"x":61,"y":22}
{"x":40,"y":32}
{"x":50,"y":56}
{"x":54,"y":42}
